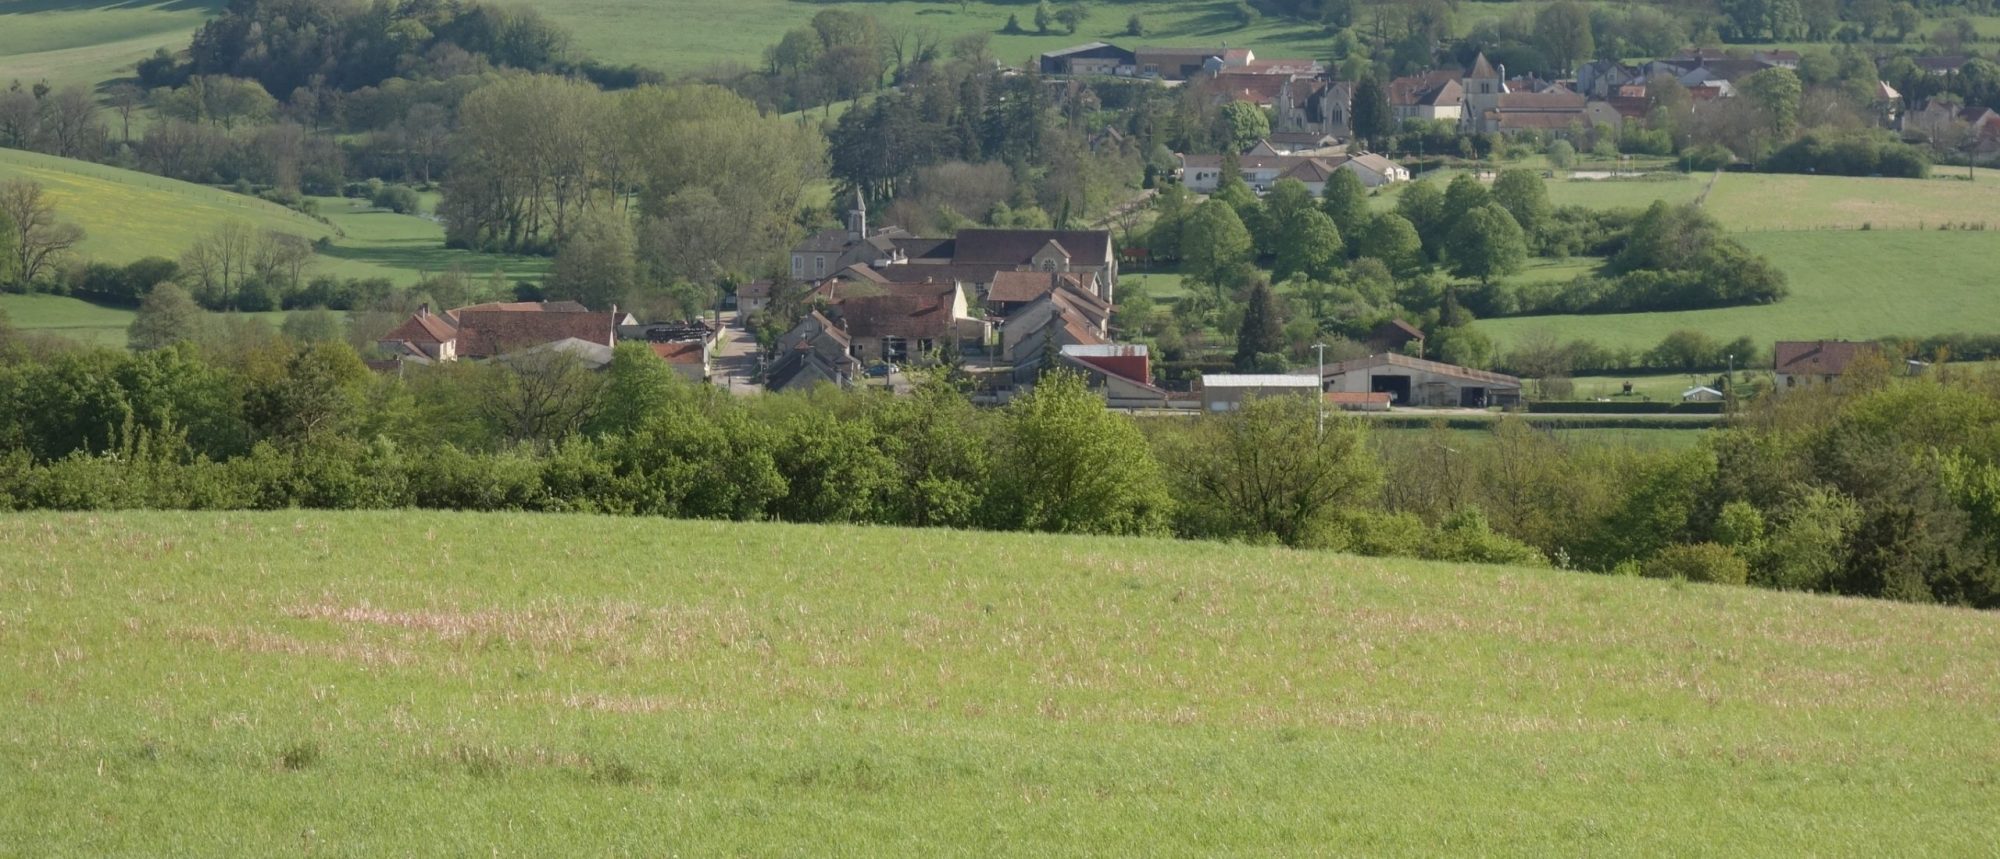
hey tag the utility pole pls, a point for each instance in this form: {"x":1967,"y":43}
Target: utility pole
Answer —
{"x":1319,"y":401}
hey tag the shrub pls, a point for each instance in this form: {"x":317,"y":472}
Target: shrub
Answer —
{"x":1467,"y":537}
{"x":1562,"y":154}
{"x":1697,"y":562}
{"x":396,"y":198}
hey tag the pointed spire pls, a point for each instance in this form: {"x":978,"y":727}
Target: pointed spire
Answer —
{"x":1481,"y":68}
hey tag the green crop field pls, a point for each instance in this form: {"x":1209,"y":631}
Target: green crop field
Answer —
{"x":1848,"y":284}
{"x":1765,"y":201}
{"x":80,"y":320}
{"x":129,"y":215}
{"x":84,"y":42}
{"x":431,"y":684}
{"x":682,"y":36}
{"x":69,"y":317}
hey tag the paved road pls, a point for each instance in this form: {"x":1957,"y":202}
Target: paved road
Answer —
{"x":735,"y":358}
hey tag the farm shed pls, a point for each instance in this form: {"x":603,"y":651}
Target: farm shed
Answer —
{"x":1226,"y":392}
{"x":1416,"y":382}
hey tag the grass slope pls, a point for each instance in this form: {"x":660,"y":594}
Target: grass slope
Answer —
{"x":88,"y":41}
{"x":1844,"y":284}
{"x":682,"y":36}
{"x":72,"y":318}
{"x":129,"y":215}
{"x":256,"y":684}
{"x":1762,"y":202}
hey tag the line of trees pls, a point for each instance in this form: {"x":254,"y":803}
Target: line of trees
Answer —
{"x":1883,"y":488}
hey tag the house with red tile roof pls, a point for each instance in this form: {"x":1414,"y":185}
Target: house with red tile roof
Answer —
{"x":1804,"y":363}
{"x":690,"y":358}
{"x":482,"y":331}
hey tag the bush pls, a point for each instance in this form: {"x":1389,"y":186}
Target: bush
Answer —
{"x":1465,"y":536}
{"x":1697,"y":562}
{"x":396,"y":198}
{"x":1561,"y":154}
{"x":1850,"y":154}
{"x":1707,"y":157}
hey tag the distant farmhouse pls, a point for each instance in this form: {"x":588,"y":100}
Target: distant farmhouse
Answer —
{"x":1805,"y":363}
{"x":1261,"y":168}
{"x":514,"y":331}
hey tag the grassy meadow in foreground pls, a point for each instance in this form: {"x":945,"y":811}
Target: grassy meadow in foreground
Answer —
{"x":344,"y":684}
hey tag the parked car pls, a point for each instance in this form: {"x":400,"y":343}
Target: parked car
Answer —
{"x":881,"y":370}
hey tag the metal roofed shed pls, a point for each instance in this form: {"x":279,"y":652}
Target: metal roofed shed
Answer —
{"x":1224,"y":392}
{"x":1417,"y":382}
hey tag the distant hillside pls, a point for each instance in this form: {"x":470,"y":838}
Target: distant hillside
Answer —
{"x":129,"y":215}
{"x":258,"y":684}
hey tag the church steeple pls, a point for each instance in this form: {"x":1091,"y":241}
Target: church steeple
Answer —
{"x":857,"y":218}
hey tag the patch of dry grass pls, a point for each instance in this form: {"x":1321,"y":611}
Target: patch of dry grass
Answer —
{"x":446,"y":683}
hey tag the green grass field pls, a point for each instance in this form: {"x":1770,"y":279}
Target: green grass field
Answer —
{"x":80,"y":320}
{"x":69,"y":317}
{"x":736,"y":34}
{"x":350,"y":684}
{"x":85,"y":42}
{"x":405,"y":248}
{"x":1844,"y":284}
{"x":129,"y":215}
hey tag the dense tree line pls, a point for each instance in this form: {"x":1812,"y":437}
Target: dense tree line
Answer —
{"x":1884,"y":488}
{"x":1437,"y":260}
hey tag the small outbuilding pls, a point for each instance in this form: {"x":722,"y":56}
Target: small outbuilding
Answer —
{"x":1701,"y":394}
{"x":1417,"y":382}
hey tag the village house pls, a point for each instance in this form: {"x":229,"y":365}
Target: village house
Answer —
{"x":688,"y":346}
{"x":1393,"y":336}
{"x":1088,"y":254}
{"x":1174,"y":64}
{"x":753,"y":297}
{"x":1418,"y":382}
{"x":1436,"y":95}
{"x":1312,"y":143}
{"x":1804,"y":363}
{"x":829,"y":251}
{"x":1120,"y":373}
{"x":1055,"y":319}
{"x":814,"y":352}
{"x":1202,"y":174}
{"x":484,"y":331}
{"x":1225,"y":392}
{"x":899,"y":322}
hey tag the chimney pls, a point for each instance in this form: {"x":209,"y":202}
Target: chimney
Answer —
{"x":424,"y":310}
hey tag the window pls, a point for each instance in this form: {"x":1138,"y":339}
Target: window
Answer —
{"x":1048,"y":265}
{"x":798,"y":265}
{"x":819,"y":266}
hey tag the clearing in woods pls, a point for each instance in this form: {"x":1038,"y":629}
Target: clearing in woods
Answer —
{"x":435,"y":683}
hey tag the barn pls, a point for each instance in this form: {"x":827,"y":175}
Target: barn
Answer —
{"x":1416,"y":382}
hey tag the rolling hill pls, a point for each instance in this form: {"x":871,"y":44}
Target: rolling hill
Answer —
{"x":254,"y":684}
{"x":128,"y":214}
